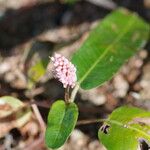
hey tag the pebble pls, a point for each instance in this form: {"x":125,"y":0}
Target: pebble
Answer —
{"x":94,"y":96}
{"x":121,"y":86}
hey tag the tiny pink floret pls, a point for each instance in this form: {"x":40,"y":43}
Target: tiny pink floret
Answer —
{"x":64,"y":70}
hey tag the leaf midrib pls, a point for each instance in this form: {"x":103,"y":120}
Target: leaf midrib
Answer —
{"x":60,"y":126}
{"x":131,"y":21}
{"x":131,"y":128}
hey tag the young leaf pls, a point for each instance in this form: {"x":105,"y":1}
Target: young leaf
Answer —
{"x":108,"y":46}
{"x":61,"y":121}
{"x":38,"y":70}
{"x":124,"y":129}
{"x":36,"y":61}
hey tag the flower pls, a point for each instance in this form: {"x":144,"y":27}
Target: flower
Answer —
{"x":64,"y":70}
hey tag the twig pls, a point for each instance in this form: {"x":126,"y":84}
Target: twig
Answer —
{"x":91,"y":121}
{"x":37,"y":143}
{"x":109,"y":4}
{"x":39,"y":117}
{"x":34,"y":92}
{"x":45,"y":105}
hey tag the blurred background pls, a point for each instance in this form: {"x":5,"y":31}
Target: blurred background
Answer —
{"x":30,"y":32}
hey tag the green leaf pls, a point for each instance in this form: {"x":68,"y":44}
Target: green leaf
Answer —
{"x":36,"y":61}
{"x":38,"y":70}
{"x":124,"y":129}
{"x":61,"y":121}
{"x":108,"y":46}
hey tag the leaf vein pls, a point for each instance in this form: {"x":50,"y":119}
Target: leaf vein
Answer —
{"x":131,"y":21}
{"x":131,"y":128}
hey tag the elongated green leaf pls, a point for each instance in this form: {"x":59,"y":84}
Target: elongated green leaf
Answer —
{"x":61,"y":121}
{"x":125,"y":128}
{"x":108,"y":46}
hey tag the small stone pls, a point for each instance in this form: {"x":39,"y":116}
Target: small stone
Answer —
{"x":121,"y":86}
{"x":2,"y":102}
{"x":136,"y":95}
{"x":147,"y":3}
{"x":143,"y":54}
{"x":95,"y":145}
{"x":94,"y":96}
{"x":145,"y":83}
{"x":134,"y":73}
{"x":79,"y":138}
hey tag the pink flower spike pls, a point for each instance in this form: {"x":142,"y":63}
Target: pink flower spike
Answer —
{"x":64,"y":70}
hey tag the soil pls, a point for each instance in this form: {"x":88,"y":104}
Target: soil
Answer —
{"x":34,"y":29}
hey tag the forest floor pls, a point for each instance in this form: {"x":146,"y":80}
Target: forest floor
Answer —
{"x":31,"y":30}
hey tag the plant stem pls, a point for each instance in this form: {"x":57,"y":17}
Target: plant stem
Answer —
{"x":85,"y":122}
{"x":67,"y":97}
{"x":39,"y":117}
{"x":74,"y":92}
